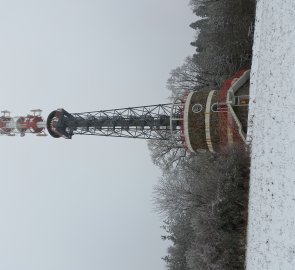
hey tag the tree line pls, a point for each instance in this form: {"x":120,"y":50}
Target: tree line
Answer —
{"x":203,"y":197}
{"x":223,"y":42}
{"x":204,"y":206}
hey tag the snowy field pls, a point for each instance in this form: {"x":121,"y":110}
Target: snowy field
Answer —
{"x":271,"y":230}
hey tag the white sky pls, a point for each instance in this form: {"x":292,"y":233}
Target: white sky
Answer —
{"x":83,"y":203}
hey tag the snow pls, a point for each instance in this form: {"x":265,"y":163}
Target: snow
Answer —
{"x":271,"y":228}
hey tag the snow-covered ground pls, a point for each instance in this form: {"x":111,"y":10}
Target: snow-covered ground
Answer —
{"x":271,"y":230}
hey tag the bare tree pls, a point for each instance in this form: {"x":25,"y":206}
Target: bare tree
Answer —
{"x":204,"y":205}
{"x":188,"y":77}
{"x":180,"y":191}
{"x":166,"y":154}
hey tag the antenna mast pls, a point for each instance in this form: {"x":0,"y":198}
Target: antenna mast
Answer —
{"x":32,"y":123}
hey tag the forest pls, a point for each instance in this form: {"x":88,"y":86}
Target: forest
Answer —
{"x":203,"y":197}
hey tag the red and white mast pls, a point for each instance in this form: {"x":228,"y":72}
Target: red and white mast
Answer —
{"x":31,"y":123}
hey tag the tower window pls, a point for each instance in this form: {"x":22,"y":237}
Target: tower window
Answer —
{"x":214,"y":107}
{"x":197,"y":108}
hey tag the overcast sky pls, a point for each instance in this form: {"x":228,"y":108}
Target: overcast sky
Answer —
{"x":84,"y":203}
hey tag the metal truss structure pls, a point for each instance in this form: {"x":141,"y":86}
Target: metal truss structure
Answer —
{"x":161,"y":122}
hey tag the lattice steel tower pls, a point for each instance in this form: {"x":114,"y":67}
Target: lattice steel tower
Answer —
{"x":202,"y":120}
{"x":162,"y":122}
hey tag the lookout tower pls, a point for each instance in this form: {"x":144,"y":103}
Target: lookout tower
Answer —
{"x":215,"y":118}
{"x":203,"y":120}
